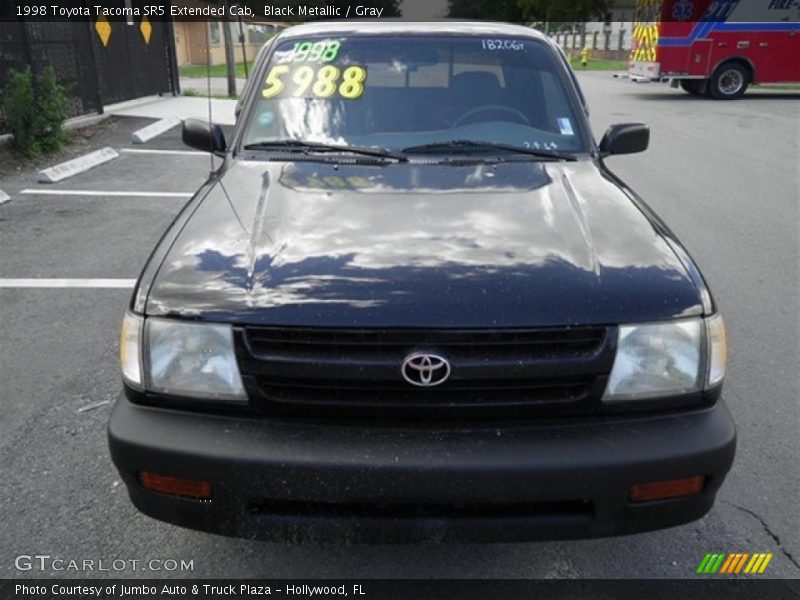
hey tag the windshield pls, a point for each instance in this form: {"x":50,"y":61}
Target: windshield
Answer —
{"x":399,"y":92}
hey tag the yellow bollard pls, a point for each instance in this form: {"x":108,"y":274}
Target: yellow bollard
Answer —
{"x":585,"y":56}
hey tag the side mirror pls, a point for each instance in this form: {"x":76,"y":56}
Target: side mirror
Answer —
{"x":202,"y":136}
{"x":625,"y":138}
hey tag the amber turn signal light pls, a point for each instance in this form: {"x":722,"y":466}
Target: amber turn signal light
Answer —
{"x":176,"y":486}
{"x":659,"y":490}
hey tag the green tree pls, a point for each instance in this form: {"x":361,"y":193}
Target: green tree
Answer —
{"x":52,"y":110}
{"x":18,"y":100}
{"x":563,"y":10}
{"x":34,"y":109}
{"x":491,"y":10}
{"x":529,"y":10}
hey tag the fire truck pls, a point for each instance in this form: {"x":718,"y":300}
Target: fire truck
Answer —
{"x":716,"y":48}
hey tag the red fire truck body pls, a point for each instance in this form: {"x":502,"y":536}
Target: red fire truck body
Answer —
{"x":717,"y":47}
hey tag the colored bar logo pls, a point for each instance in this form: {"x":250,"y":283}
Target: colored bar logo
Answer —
{"x":735,"y":563}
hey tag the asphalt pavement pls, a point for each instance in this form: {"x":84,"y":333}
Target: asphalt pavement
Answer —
{"x":723,"y":175}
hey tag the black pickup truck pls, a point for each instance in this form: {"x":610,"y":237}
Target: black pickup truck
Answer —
{"x":413,"y":304}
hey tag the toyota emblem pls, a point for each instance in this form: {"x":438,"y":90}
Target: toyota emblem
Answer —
{"x":425,"y":370}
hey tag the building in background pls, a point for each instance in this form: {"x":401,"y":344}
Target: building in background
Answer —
{"x":192,"y":38}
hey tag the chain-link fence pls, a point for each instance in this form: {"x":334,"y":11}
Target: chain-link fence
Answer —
{"x":604,"y":40}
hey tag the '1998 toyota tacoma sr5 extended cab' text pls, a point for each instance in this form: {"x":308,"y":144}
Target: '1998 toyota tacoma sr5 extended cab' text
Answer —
{"x":414,"y":304}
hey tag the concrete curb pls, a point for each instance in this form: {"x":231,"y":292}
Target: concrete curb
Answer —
{"x":77,"y":165}
{"x":84,"y":121}
{"x":4,"y":197}
{"x":145,"y":134}
{"x":126,"y":104}
{"x":70,"y":124}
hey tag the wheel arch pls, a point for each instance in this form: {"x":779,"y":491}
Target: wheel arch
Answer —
{"x":740,"y":59}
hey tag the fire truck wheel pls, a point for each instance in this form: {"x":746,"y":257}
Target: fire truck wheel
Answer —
{"x":692,"y":86}
{"x":729,"y":81}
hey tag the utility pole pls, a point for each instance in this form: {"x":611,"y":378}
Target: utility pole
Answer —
{"x":547,"y":19}
{"x":230,"y":61}
{"x":244,"y":50}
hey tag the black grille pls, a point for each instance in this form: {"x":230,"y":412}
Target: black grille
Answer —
{"x":357,"y":372}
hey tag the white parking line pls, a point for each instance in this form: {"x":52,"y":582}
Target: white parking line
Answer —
{"x":48,"y":192}
{"x":66,"y":283}
{"x":156,"y":151}
{"x":4,"y":197}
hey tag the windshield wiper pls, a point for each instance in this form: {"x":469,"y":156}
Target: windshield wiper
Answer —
{"x":309,"y":147}
{"x":477,"y":145}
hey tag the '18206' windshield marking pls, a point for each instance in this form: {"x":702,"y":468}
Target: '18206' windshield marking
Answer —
{"x":492,"y":44}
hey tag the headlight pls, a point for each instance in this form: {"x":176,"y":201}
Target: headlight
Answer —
{"x":130,"y":348}
{"x":192,"y":359}
{"x":658,"y":359}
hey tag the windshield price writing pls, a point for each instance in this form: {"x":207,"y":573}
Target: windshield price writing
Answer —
{"x":322,"y":82}
{"x":323,"y":51}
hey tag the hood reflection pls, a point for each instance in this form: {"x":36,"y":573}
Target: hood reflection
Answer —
{"x":516,"y":244}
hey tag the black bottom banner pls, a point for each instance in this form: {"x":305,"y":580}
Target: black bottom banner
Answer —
{"x":397,"y":589}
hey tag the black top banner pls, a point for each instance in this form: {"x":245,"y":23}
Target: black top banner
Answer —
{"x":782,"y":14}
{"x":287,"y":11}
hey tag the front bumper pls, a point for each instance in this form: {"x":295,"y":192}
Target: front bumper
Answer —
{"x":644,"y":71}
{"x":301,"y":481}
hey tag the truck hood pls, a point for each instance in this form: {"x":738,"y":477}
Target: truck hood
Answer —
{"x":520,"y":244}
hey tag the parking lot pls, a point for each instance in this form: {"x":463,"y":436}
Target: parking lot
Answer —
{"x":723,"y":175}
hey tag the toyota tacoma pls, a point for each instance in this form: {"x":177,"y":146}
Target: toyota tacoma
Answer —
{"x":414,"y":304}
